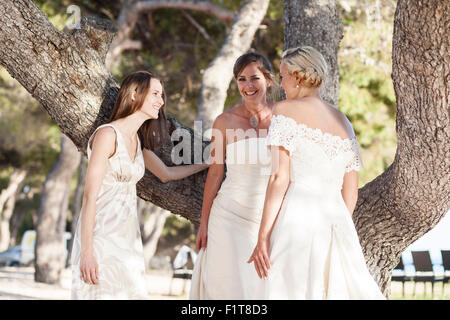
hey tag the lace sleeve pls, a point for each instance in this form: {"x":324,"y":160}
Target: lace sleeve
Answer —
{"x":282,"y":132}
{"x":355,"y":162}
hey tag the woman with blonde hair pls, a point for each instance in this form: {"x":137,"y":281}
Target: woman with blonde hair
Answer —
{"x":307,"y":246}
{"x":107,"y":255}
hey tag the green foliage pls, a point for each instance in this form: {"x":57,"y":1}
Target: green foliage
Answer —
{"x":177,"y":228}
{"x":366,"y":93}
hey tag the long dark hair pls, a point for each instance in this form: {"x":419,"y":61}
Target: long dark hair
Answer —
{"x":153,"y":133}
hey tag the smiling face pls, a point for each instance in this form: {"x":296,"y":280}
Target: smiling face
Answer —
{"x":154,"y":99}
{"x":252,"y":84}
{"x":288,"y":83}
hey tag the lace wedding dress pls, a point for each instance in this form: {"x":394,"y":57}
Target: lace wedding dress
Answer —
{"x":314,"y":248}
{"x":221,"y":271}
{"x":117,"y":238}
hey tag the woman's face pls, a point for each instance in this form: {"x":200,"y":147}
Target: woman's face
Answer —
{"x":288,"y":83}
{"x":252,"y":84}
{"x":154,"y":100}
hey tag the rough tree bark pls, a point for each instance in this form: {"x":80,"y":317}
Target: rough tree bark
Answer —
{"x":213,"y":93}
{"x":129,"y":15}
{"x":8,"y":198}
{"x":412,"y":195}
{"x":316,"y":23}
{"x":52,"y":216}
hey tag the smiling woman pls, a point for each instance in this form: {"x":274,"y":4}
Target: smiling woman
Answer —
{"x":107,"y":254}
{"x":232,"y":209}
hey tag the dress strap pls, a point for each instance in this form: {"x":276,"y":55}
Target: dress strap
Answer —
{"x":89,"y":150}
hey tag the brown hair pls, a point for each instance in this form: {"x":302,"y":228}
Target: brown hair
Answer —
{"x":153,"y":132}
{"x":263,"y":65}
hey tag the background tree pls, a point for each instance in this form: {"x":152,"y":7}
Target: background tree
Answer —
{"x":27,"y":145}
{"x":218,"y":74}
{"x":52,"y":217}
{"x":316,"y":23}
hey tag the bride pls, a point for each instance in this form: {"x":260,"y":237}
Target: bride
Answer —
{"x":307,"y":246}
{"x":231,"y":209}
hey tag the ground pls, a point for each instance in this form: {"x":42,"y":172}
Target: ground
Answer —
{"x":17,"y":283}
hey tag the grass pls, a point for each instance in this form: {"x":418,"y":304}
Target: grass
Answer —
{"x":423,"y":292}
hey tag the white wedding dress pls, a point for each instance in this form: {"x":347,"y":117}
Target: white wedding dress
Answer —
{"x":221,"y":271}
{"x":314,"y":248}
{"x":117,"y":238}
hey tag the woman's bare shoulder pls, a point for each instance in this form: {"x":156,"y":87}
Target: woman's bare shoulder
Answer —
{"x":104,"y":139}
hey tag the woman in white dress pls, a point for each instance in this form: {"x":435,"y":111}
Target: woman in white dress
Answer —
{"x":307,"y":246}
{"x":231,"y":212}
{"x":107,"y":256}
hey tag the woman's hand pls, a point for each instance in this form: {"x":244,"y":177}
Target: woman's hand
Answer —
{"x":89,"y":268}
{"x":260,"y":257}
{"x":202,"y":237}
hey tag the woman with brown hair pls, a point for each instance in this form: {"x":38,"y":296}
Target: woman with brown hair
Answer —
{"x":232,"y":210}
{"x":107,"y":255}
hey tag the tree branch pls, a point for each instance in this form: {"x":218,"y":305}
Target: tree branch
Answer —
{"x":199,"y":27}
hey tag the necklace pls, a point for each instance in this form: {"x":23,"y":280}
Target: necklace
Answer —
{"x":253,"y":120}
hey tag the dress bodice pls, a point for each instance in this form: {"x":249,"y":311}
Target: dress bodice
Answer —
{"x":121,"y":168}
{"x":319,"y":159}
{"x":248,"y":165}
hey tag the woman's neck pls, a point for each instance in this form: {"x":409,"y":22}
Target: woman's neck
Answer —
{"x":131,"y":124}
{"x":306,"y":92}
{"x":255,"y":108}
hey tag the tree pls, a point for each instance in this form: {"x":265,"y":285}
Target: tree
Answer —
{"x":26,"y":146}
{"x":316,"y":23}
{"x":66,"y":74}
{"x":50,"y":245}
{"x":8,"y":198}
{"x":213,"y":92}
{"x":129,"y":15}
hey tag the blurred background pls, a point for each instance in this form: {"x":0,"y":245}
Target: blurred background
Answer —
{"x":178,"y":45}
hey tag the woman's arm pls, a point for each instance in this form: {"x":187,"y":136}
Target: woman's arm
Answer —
{"x":103,"y":147}
{"x":164,"y":173}
{"x":276,"y":190}
{"x":214,"y":178}
{"x":349,"y":190}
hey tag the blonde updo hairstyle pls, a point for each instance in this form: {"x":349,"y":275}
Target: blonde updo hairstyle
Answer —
{"x":306,"y":63}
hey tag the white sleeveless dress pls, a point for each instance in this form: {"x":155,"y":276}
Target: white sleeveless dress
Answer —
{"x":221,"y":271}
{"x":314,"y":248}
{"x":117,"y":238}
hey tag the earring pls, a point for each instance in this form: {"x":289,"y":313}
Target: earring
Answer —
{"x":296,"y":86}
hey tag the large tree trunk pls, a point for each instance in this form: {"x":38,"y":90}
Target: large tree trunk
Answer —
{"x":413,"y":194}
{"x":316,"y":23}
{"x":8,"y":198}
{"x":218,"y":74}
{"x":67,"y":75}
{"x":52,"y":216}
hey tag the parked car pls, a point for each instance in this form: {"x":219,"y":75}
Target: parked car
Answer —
{"x":10,"y":257}
{"x":28,"y":243}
